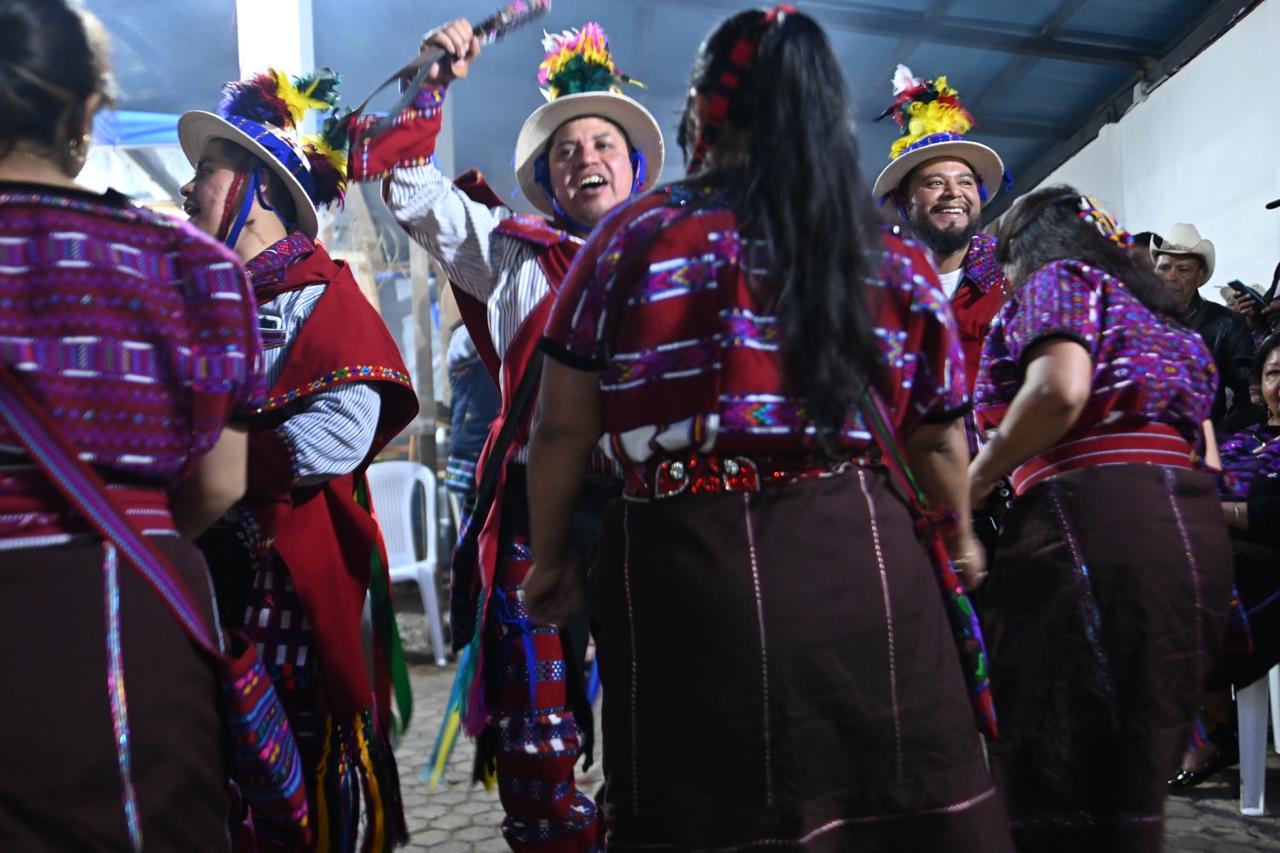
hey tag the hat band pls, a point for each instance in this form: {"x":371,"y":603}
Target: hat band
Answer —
{"x":278,"y":149}
{"x":932,"y":139}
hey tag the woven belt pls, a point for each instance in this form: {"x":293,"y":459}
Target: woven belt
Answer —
{"x":31,"y":509}
{"x":700,"y":473}
{"x":1150,"y":444}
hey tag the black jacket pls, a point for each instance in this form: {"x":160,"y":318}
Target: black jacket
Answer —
{"x":1227,"y":336}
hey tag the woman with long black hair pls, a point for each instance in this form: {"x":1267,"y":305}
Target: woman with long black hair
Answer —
{"x":776,"y":658}
{"x":1113,"y":579}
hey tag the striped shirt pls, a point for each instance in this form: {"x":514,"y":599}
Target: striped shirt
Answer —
{"x":498,"y":270}
{"x":329,"y":432}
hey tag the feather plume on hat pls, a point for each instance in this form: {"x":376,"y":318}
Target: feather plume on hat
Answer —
{"x":579,"y":61}
{"x":923,"y":108}
{"x":327,"y":154}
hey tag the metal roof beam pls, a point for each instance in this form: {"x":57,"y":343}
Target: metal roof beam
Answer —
{"x":885,"y":22}
{"x":894,"y":23}
{"x":1015,"y":128}
{"x":1015,"y":68}
{"x":908,"y":45}
{"x":1222,"y":16}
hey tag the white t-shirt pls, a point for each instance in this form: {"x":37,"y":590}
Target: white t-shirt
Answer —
{"x":951,"y":281}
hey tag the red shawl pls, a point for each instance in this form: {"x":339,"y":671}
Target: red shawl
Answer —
{"x":323,"y":535}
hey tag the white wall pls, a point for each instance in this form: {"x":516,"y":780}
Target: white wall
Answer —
{"x":1202,"y":148}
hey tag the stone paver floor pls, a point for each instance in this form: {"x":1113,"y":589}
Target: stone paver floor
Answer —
{"x":458,"y":817}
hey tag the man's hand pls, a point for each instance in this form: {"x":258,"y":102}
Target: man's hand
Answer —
{"x":459,"y":42}
{"x":1271,"y":314}
{"x":1242,"y":304}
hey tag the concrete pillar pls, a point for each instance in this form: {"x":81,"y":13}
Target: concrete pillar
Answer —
{"x":276,"y":34}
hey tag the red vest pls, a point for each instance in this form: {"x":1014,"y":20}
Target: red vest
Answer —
{"x":982,"y":291}
{"x":324,"y":536}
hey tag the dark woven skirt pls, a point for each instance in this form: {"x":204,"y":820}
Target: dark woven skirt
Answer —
{"x":778,"y":671}
{"x":61,"y":782}
{"x":1104,"y":609}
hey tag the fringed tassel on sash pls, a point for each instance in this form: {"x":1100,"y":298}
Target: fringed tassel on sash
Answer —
{"x":357,"y":766}
{"x":391,"y":670}
{"x":475,"y":710}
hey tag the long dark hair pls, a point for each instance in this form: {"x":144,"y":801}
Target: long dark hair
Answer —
{"x":801,"y":192}
{"x":52,"y":57}
{"x":1046,"y":226}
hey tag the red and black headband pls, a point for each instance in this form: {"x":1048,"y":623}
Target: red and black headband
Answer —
{"x":719,"y":99}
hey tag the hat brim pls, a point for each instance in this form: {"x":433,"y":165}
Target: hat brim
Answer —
{"x":984,"y":161}
{"x":637,"y":122}
{"x":196,"y":129}
{"x":1202,"y":250}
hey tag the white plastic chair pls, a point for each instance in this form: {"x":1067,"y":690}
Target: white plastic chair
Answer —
{"x":1251,"y":716}
{"x":391,"y":488}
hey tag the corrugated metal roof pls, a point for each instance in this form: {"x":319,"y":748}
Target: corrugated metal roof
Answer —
{"x":1034,"y":72}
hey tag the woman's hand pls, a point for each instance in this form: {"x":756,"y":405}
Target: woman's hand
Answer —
{"x":553,"y":590}
{"x":981,"y":483}
{"x":969,"y":558}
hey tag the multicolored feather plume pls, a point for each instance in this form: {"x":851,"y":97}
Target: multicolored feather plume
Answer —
{"x":327,"y":155}
{"x":273,"y":97}
{"x":256,"y":99}
{"x":579,"y":61}
{"x":923,"y":108}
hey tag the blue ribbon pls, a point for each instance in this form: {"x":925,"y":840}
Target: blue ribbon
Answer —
{"x":278,"y":149}
{"x":518,"y":624}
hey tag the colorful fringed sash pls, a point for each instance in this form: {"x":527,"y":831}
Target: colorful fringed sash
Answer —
{"x":965,"y":629}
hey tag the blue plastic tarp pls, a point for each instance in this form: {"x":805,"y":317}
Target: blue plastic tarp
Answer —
{"x":131,"y":129}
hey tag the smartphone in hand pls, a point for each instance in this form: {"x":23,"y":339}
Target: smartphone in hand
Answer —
{"x":1240,"y":287}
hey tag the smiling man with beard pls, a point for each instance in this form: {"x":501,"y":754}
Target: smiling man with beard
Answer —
{"x":577,"y":157}
{"x":938,"y":182}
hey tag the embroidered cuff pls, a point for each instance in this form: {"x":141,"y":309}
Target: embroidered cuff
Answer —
{"x":409,"y":141}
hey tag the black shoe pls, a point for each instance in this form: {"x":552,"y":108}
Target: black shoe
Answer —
{"x":1228,"y":755}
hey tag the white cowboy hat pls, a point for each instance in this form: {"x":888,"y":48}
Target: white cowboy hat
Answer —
{"x":636,"y":122}
{"x":1184,"y":239}
{"x":1226,"y":292}
{"x":985,"y":163}
{"x":278,"y":149}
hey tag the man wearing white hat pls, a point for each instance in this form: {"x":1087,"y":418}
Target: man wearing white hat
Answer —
{"x":578,"y":156}
{"x":1185,"y":261}
{"x":937,"y":183}
{"x":292,"y":561}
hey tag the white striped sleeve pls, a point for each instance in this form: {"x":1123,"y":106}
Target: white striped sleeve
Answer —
{"x":447,"y":223}
{"x":333,"y":434}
